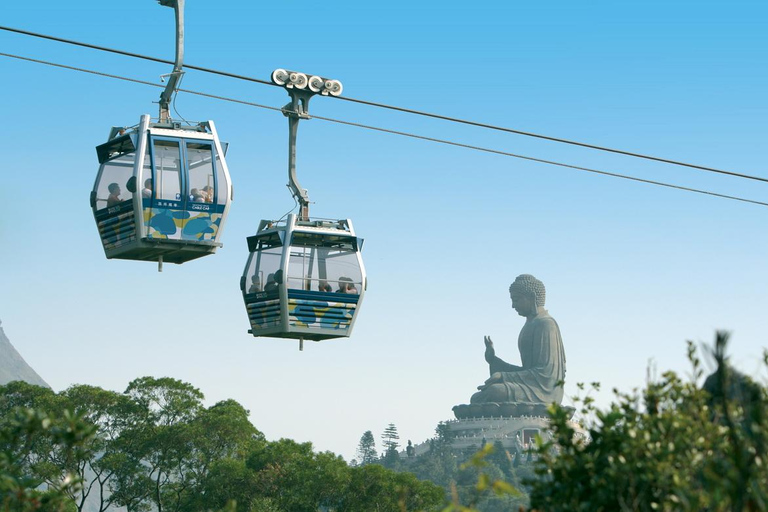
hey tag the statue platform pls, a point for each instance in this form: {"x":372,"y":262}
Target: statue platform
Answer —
{"x":517,"y":429}
{"x":513,"y":433}
{"x":503,"y":410}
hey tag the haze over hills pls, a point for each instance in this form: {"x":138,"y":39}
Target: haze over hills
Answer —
{"x":13,"y":366}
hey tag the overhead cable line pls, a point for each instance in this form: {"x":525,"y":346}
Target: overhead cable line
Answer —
{"x":135,"y":55}
{"x":404,"y":134}
{"x":408,"y":110}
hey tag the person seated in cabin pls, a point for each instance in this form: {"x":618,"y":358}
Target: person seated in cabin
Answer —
{"x":271,"y":285}
{"x":325,"y":287}
{"x":208,"y":193}
{"x":114,"y":195}
{"x":346,"y":286}
{"x":146,"y":192}
{"x":279,"y":277}
{"x":255,"y":284}
{"x":196,"y":196}
{"x":274,"y":281}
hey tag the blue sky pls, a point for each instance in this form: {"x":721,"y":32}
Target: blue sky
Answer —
{"x":631,"y":270}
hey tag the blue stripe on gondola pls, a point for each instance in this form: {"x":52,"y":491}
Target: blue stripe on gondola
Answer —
{"x":348,"y":298}
{"x":176,"y":205}
{"x":112,"y":211}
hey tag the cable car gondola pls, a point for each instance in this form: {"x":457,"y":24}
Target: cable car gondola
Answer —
{"x":304,"y":278}
{"x":163,"y":190}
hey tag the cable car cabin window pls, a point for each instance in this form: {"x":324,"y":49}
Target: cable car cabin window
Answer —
{"x":167,"y":163}
{"x":164,"y":219}
{"x":112,"y":189}
{"x":264,"y":265}
{"x":201,"y":181}
{"x":325,"y":263}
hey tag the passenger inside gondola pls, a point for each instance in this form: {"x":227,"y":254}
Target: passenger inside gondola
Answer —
{"x":208,"y":193}
{"x":255,"y":285}
{"x":325,"y":287}
{"x":114,"y":195}
{"x":346,"y":286}
{"x":271,"y":285}
{"x":146,"y":192}
{"x":196,"y":196}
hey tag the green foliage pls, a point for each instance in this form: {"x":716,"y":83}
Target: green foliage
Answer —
{"x":23,"y":433}
{"x":376,"y":488}
{"x":156,"y":447}
{"x":483,"y":486}
{"x":472,"y":480}
{"x":366,"y":449}
{"x":671,"y":446}
{"x":390,"y":438}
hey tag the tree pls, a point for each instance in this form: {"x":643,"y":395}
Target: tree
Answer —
{"x":390,"y":438}
{"x":366,"y":449}
{"x":21,"y":430}
{"x":439,"y":464}
{"x":373,"y":487}
{"x":671,"y":446}
{"x":391,"y":458}
{"x":35,"y":457}
{"x":157,"y":463}
{"x":219,"y":436}
{"x":110,"y":414}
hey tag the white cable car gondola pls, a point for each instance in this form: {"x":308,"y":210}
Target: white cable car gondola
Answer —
{"x":163,"y":190}
{"x":304,"y":278}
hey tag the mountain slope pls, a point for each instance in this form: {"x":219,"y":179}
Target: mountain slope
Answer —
{"x":13,"y":366}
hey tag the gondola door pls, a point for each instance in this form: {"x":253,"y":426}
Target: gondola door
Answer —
{"x":167,"y":205}
{"x":203,"y":213}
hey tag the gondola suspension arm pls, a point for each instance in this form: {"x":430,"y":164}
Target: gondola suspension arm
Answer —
{"x":300,"y":89}
{"x":173,"y":78}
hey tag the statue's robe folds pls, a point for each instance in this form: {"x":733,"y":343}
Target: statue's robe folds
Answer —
{"x":543,"y":359}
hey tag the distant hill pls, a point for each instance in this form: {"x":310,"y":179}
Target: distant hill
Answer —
{"x":13,"y":366}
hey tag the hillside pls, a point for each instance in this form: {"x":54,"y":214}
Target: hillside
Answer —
{"x":13,"y":366}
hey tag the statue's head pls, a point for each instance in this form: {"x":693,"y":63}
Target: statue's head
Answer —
{"x":528,"y":294}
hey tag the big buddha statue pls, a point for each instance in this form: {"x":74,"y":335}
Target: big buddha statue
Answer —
{"x":538,"y":380}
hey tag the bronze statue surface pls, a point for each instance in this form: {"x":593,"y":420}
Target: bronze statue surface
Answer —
{"x":513,"y":390}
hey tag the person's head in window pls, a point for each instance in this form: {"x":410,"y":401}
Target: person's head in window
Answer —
{"x":147,"y":190}
{"x":346,"y":286}
{"x":271,"y":285}
{"x":325,"y":287}
{"x":114,"y":194}
{"x":208,"y":193}
{"x":255,"y":284}
{"x":196,"y":196}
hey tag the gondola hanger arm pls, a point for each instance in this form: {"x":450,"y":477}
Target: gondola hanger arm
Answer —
{"x":173,"y":78}
{"x":301,"y":89}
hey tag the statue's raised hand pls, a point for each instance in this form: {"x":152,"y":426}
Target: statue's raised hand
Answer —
{"x":490,"y":353}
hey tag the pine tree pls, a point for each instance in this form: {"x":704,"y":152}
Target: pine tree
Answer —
{"x":389,"y":438}
{"x":366,"y":449}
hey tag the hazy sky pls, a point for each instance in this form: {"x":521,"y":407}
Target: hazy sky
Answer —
{"x":632,"y":270}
